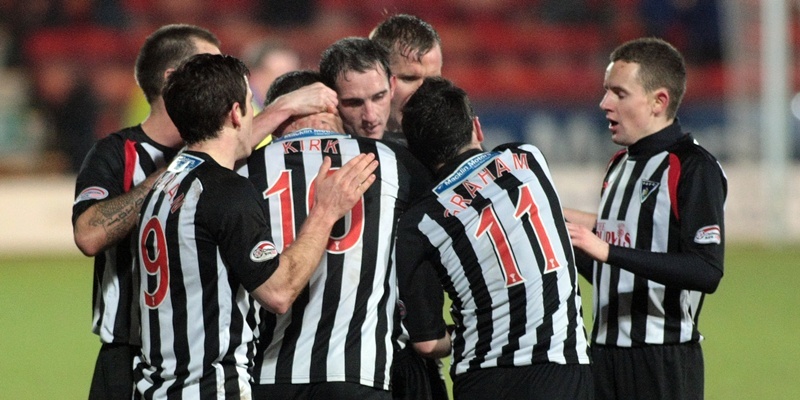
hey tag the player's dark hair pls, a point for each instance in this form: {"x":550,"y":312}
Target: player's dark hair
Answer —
{"x":166,"y":48}
{"x":352,"y":54}
{"x":291,"y":81}
{"x":437,"y":121}
{"x":660,"y":65}
{"x":201,"y":92}
{"x":407,"y":34}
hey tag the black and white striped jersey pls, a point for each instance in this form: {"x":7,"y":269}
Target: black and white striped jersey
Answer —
{"x":494,"y":231}
{"x":114,"y":165}
{"x":203,"y":245}
{"x":662,"y":208}
{"x":341,"y":327}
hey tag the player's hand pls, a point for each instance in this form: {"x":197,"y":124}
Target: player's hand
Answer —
{"x":580,"y":217}
{"x":337,"y":192}
{"x":310,"y":99}
{"x":584,"y":239}
{"x":325,"y":120}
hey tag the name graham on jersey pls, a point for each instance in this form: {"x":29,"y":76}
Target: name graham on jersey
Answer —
{"x":475,"y":181}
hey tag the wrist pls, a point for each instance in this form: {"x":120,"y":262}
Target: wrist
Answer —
{"x":270,"y":118}
{"x":324,"y":217}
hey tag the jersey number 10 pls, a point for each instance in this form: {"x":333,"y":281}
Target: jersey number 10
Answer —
{"x":282,"y":187}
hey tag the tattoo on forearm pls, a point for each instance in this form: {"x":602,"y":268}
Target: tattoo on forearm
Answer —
{"x":119,"y":215}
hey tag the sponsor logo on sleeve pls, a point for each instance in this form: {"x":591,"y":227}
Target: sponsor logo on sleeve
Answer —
{"x":708,"y":235}
{"x":92,"y":193}
{"x":263,"y":251}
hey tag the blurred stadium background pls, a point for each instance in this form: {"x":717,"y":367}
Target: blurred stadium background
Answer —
{"x":534,"y":70}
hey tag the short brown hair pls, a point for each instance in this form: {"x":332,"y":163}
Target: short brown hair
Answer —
{"x":407,"y":34}
{"x":166,"y":48}
{"x":660,"y":65}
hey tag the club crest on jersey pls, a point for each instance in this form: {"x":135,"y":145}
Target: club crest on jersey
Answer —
{"x":711,"y":234}
{"x":647,"y":188}
{"x":264,"y":251}
{"x":92,"y":193}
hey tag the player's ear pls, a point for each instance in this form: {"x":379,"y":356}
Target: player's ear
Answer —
{"x":477,"y":132}
{"x":168,"y":72}
{"x":236,"y":115}
{"x":392,"y":85}
{"x":660,"y":101}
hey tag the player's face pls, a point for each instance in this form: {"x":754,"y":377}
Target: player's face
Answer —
{"x":410,"y":73}
{"x":629,"y":109}
{"x":365,"y":101}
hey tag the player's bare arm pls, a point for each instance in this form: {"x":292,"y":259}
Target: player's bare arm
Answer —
{"x":584,"y":239}
{"x":589,"y":220}
{"x":438,"y":348}
{"x":107,"y":222}
{"x":336,"y":194}
{"x":307,"y":100}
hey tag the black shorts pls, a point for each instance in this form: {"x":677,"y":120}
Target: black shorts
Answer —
{"x":651,"y":372}
{"x":319,"y":391}
{"x":547,"y":381}
{"x":415,"y":377}
{"x":113,"y":372}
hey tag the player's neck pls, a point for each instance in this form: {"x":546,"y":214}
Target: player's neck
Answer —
{"x":218,"y":153}
{"x":225,"y":148}
{"x":393,"y":125}
{"x":159,"y":127}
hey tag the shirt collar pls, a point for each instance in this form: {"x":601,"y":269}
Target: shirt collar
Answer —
{"x":451,"y":165}
{"x":657,"y":142}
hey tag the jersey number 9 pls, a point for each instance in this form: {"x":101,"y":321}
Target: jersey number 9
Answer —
{"x":153,"y":253}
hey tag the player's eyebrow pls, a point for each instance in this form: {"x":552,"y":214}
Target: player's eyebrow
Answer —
{"x":409,"y":76}
{"x":615,"y":88}
{"x":383,"y":92}
{"x":351,"y":101}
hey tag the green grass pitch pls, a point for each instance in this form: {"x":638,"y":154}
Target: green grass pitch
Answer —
{"x":47,"y":350}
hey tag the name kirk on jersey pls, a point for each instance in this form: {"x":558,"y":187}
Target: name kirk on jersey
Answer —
{"x":476,"y":181}
{"x":320,"y":145}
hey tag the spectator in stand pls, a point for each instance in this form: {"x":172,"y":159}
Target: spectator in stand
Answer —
{"x":693,"y":26}
{"x":267,"y":60}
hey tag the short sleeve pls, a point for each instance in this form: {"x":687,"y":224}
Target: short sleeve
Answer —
{"x":236,"y":219}
{"x":100,"y":176}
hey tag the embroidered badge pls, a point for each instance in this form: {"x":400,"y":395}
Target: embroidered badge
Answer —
{"x":264,"y":251}
{"x":647,"y":188}
{"x":92,"y":193}
{"x":711,"y":234}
